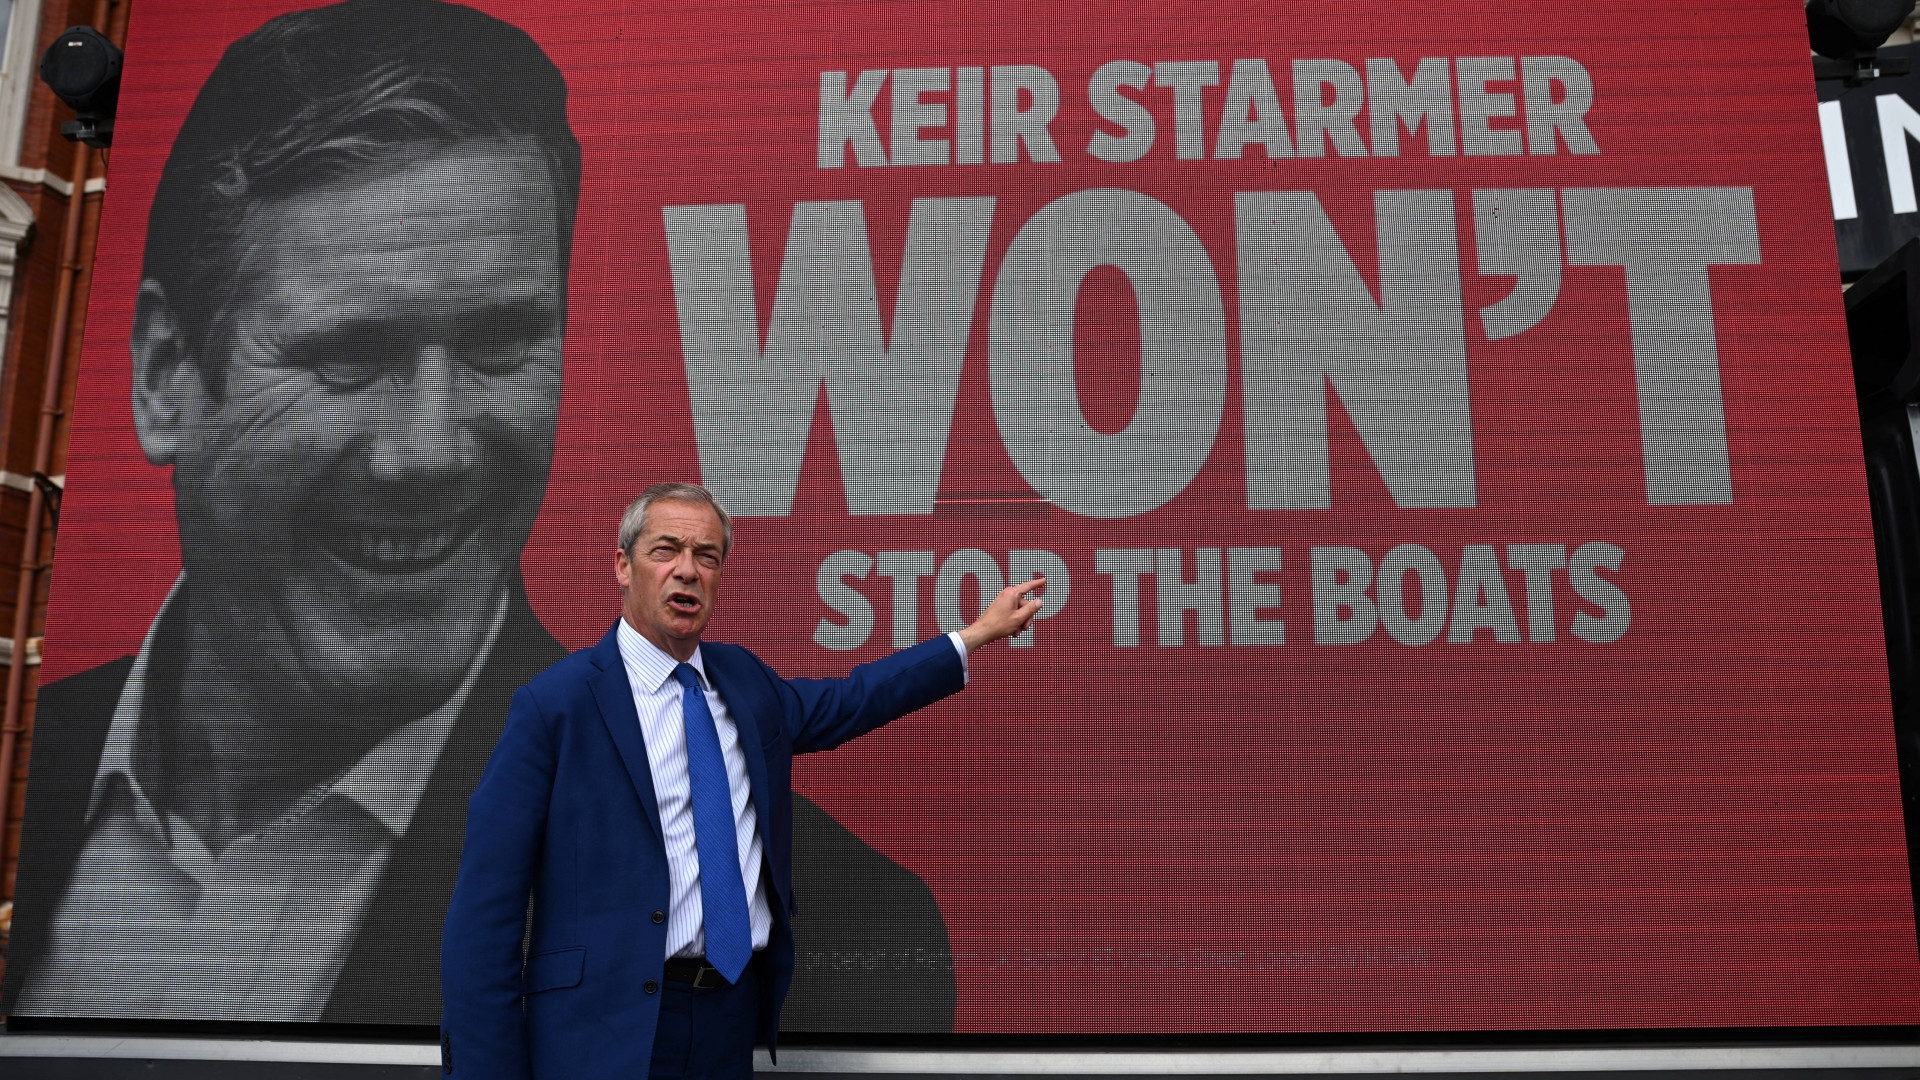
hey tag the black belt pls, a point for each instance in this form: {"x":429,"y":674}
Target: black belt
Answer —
{"x":696,"y":973}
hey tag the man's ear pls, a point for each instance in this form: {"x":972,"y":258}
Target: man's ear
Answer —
{"x":169,"y":395}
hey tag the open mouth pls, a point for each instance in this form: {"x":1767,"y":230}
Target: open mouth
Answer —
{"x":683,"y":602}
{"x":398,"y":547}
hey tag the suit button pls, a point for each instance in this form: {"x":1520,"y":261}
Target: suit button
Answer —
{"x":652,"y":987}
{"x":659,"y":917}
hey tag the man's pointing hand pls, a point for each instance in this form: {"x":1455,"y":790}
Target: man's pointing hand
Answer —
{"x":1009,"y":614}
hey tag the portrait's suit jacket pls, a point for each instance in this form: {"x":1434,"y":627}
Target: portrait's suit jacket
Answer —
{"x":566,"y":812}
{"x":860,"y":899}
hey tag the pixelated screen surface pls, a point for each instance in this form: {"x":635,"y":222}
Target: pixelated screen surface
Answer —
{"x":1434,"y":422}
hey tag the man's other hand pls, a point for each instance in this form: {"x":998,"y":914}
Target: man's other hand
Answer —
{"x":1009,"y":614}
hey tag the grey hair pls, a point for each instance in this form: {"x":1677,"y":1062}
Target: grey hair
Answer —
{"x":635,"y":518}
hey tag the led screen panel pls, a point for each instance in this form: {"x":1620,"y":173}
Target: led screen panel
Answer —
{"x":1435,"y":424}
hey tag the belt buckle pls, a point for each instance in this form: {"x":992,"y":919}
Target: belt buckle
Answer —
{"x":700,"y":978}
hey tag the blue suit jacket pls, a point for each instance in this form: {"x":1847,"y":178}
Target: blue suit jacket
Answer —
{"x":565,"y":814}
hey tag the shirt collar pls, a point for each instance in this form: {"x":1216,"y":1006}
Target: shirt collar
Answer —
{"x":388,"y":782}
{"x":648,"y":666}
{"x":116,"y":758}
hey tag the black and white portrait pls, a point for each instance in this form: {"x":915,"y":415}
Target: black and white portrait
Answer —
{"x":347,"y":348}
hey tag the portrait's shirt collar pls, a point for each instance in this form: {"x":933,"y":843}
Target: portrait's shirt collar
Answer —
{"x":116,"y":758}
{"x":648,"y":665}
{"x":387,"y":783}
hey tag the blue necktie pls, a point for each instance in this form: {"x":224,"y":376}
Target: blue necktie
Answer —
{"x":723,"y":894}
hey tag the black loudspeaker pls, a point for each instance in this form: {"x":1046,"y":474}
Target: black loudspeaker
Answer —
{"x":1883,"y":327}
{"x":83,"y":69}
{"x":1845,"y":29}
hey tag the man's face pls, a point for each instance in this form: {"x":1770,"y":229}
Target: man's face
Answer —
{"x":672,"y":577}
{"x":356,"y":483}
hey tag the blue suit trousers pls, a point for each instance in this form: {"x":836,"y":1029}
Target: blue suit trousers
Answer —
{"x":706,"y":1034}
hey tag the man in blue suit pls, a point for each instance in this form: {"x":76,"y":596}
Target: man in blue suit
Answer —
{"x":625,"y":896}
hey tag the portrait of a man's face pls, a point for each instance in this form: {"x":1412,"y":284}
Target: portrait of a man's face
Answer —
{"x":361,"y":442}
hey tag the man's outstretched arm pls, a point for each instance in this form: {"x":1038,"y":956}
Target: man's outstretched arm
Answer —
{"x":482,"y":1029}
{"x":832,"y":711}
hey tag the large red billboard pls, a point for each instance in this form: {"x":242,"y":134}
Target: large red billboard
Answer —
{"x":1435,"y":421}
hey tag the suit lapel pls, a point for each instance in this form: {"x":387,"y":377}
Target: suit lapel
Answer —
{"x":614,"y":694}
{"x":742,"y":706}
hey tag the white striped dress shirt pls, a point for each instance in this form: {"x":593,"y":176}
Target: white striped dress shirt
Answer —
{"x":656,"y":696}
